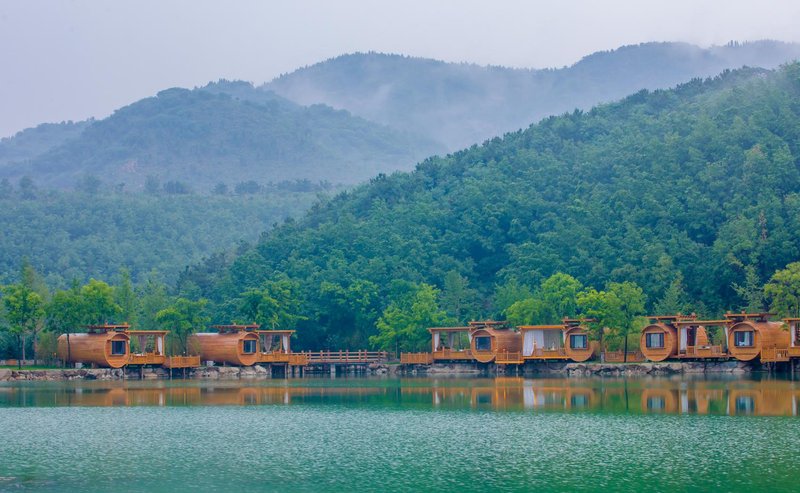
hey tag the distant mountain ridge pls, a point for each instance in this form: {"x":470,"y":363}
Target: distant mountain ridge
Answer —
{"x":462,"y":104}
{"x":224,"y":132}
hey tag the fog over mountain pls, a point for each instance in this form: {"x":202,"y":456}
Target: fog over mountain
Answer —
{"x":462,"y":104}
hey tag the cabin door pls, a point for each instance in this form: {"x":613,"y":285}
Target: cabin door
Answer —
{"x":691,"y":336}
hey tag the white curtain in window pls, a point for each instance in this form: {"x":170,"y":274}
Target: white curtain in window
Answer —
{"x":538,"y":339}
{"x":683,"y":330}
{"x":552,"y":339}
{"x":564,"y":338}
{"x":160,"y":344}
{"x":793,"y":334}
{"x":451,"y":339}
{"x":527,"y":344}
{"x":286,"y":343}
{"x":436,"y":338}
{"x":469,"y":335}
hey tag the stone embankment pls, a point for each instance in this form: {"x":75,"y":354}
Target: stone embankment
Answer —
{"x":591,"y":369}
{"x":157,"y":373}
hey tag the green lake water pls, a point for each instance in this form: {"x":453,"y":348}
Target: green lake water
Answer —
{"x":419,"y":434}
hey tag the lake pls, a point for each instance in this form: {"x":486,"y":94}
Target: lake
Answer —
{"x":414,"y":434}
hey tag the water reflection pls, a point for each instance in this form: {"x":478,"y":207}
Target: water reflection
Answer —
{"x":642,"y":396}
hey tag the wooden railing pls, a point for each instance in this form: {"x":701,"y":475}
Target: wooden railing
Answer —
{"x":702,"y":351}
{"x":146,"y":359}
{"x":774,"y":354}
{"x":619,"y":356}
{"x":182,"y":362}
{"x":298,"y":359}
{"x":452,"y":354}
{"x":416,"y":358}
{"x":508,"y":357}
{"x":344,"y":357}
{"x":554,"y":353}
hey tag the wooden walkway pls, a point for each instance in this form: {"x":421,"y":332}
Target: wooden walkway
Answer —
{"x":345,"y":357}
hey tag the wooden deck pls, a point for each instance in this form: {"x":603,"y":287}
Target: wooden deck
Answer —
{"x":774,"y":355}
{"x":416,"y":358}
{"x":279,"y":357}
{"x":147,"y":359}
{"x":548,"y":354}
{"x":703,"y":352}
{"x":453,"y":355}
{"x":509,"y":358}
{"x":182,"y":362}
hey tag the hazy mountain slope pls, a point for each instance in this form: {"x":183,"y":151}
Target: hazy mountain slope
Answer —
{"x":74,"y":235}
{"x":461,"y":104}
{"x":701,"y":181}
{"x":225,"y":132}
{"x":31,"y":142}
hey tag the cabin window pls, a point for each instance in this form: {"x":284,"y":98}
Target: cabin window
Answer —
{"x":579,"y":400}
{"x":483,"y":343}
{"x":578,"y":341}
{"x":745,"y":405}
{"x":743,"y":338}
{"x":654,"y":340}
{"x":117,"y":348}
{"x":656,"y":403}
{"x":249,"y":346}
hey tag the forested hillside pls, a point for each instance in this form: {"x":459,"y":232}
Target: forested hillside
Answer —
{"x":696,"y":187}
{"x":461,"y":104}
{"x":31,"y":142}
{"x":226,"y":133}
{"x":80,"y":235}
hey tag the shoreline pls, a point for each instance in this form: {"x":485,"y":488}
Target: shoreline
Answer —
{"x":259,"y":372}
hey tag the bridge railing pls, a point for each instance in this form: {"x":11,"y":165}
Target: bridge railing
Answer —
{"x":346,"y":356}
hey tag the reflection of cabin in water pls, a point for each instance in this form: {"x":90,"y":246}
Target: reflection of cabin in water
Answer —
{"x":752,"y":335}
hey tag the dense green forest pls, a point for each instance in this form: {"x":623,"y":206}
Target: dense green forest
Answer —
{"x":94,"y":232}
{"x":225,"y":132}
{"x":695,"y":187}
{"x":459,"y":104}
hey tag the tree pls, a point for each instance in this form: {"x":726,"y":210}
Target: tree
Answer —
{"x":616,"y":309}
{"x":751,"y":292}
{"x":550,"y":303}
{"x":275,"y":305}
{"x":152,"y":185}
{"x":65,"y":313}
{"x":24,"y":310}
{"x":674,"y":300}
{"x":99,"y":304}
{"x":403,"y":324}
{"x":509,"y":293}
{"x":182,"y":318}
{"x":125,"y":297}
{"x":27,"y":189}
{"x":783,"y":289}
{"x":457,"y":296}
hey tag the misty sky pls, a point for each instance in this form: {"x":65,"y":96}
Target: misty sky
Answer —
{"x":70,"y":60}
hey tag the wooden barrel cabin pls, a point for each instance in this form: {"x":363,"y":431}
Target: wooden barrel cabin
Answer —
{"x":577,"y":346}
{"x":104,"y":346}
{"x":750,"y":335}
{"x":236,"y":345}
{"x":490,"y":338}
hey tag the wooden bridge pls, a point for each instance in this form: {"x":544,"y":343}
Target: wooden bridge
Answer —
{"x":345,"y":357}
